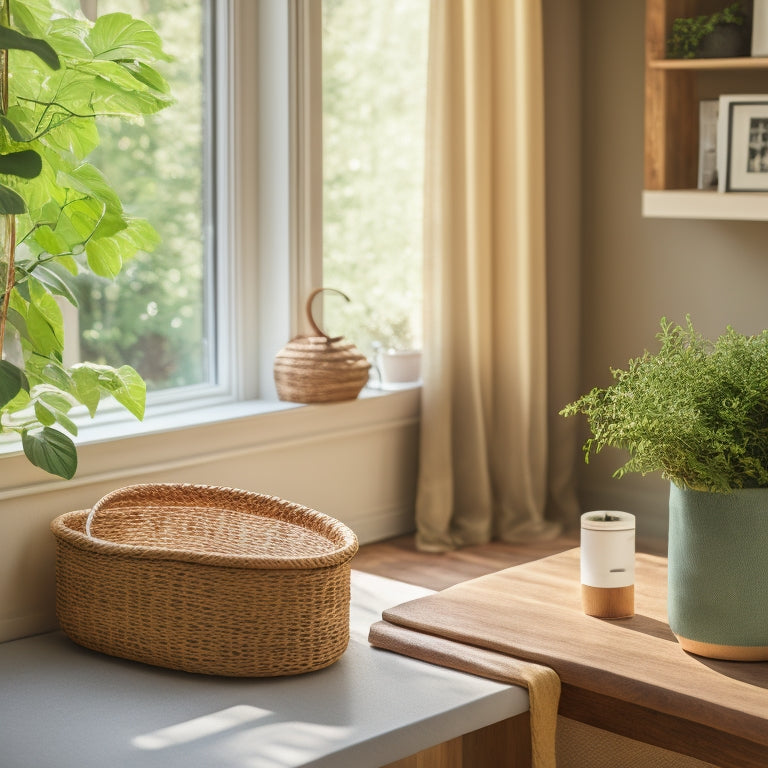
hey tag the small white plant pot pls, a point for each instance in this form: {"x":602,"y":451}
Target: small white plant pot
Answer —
{"x":399,"y":366}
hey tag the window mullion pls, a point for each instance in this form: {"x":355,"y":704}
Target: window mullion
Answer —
{"x":237,"y":111}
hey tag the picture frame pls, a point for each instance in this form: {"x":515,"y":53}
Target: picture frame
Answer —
{"x":743,"y":143}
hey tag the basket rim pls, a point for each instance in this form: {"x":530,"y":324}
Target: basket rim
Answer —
{"x":328,"y":527}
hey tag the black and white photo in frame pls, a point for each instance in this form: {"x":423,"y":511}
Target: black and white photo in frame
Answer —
{"x":743,"y":143}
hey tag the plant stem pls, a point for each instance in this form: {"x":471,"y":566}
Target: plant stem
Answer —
{"x":9,"y":220}
{"x":9,"y":248}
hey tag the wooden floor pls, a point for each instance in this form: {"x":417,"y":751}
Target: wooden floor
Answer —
{"x":399,"y":559}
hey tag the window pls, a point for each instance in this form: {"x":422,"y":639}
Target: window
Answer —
{"x":374,"y":68}
{"x":160,"y":315}
{"x":252,"y":164}
{"x":203,"y":315}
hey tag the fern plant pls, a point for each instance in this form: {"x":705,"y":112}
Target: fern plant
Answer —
{"x":696,"y":411}
{"x":58,"y":213}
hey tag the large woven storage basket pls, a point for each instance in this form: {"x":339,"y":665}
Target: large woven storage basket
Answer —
{"x":205,"y":579}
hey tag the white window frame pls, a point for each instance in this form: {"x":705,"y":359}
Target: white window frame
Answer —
{"x":279,"y":174}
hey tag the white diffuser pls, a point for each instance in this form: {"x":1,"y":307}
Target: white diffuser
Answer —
{"x":608,"y":564}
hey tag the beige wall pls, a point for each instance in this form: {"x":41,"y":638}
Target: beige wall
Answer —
{"x":637,"y":270}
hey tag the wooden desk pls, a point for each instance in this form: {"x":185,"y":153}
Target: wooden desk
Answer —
{"x":627,"y":676}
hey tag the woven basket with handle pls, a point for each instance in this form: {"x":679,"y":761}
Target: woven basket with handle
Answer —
{"x":205,"y":579}
{"x":319,"y":369}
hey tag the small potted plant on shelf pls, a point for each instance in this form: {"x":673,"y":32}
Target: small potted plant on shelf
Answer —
{"x":697,"y":412}
{"x":723,"y":34}
{"x":395,"y":356}
{"x":58,"y":214}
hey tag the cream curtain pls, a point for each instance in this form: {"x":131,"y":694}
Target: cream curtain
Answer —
{"x":484,"y":454}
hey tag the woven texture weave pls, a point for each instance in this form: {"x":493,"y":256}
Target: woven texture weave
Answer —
{"x":315,"y":369}
{"x":203,"y":579}
{"x":583,"y":746}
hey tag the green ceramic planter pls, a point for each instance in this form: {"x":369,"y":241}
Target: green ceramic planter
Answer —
{"x":718,"y":572}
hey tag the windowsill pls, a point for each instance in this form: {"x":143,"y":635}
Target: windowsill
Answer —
{"x":115,"y":446}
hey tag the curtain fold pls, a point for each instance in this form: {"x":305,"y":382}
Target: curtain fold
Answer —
{"x":484,"y":453}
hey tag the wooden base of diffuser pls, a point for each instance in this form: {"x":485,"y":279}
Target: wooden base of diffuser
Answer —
{"x":608,"y":602}
{"x":727,"y":652}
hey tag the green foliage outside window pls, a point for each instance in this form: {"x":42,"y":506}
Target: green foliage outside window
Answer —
{"x":374,"y":100}
{"x":153,"y":315}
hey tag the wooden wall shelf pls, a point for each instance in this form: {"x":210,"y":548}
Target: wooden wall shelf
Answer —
{"x":743,"y":62}
{"x":673,"y":90}
{"x":699,"y":204}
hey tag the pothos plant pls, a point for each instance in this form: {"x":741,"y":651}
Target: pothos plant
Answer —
{"x":58,"y":213}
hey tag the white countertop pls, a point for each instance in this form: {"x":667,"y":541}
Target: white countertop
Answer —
{"x":62,"y":706}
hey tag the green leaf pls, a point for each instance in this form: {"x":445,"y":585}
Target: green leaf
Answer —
{"x":44,"y":415}
{"x":58,"y":377}
{"x":27,"y":164}
{"x":104,"y":257}
{"x":66,"y":422}
{"x":87,"y":389}
{"x":107,"y":255}
{"x":12,"y":381}
{"x":147,"y":75}
{"x":52,"y":451}
{"x":118,"y":36}
{"x":55,"y":284}
{"x":19,"y":122}
{"x":111,"y":98}
{"x":18,"y":321}
{"x":42,"y":335}
{"x":68,"y":35}
{"x":89,"y":180}
{"x":124,"y":384}
{"x":10,"y":38}
{"x":129,"y":389}
{"x":49,"y":212}
{"x":50,"y":240}
{"x":13,"y":130}
{"x":19,"y":403}
{"x":38,"y":192}
{"x":34,"y":365}
{"x":115,"y":73}
{"x":11,"y":202}
{"x":44,"y":320}
{"x":139,"y":235}
{"x":56,"y":401}
{"x":69,"y":264}
{"x":21,"y":290}
{"x":32,"y":16}
{"x":80,"y":137}
{"x":89,"y":218}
